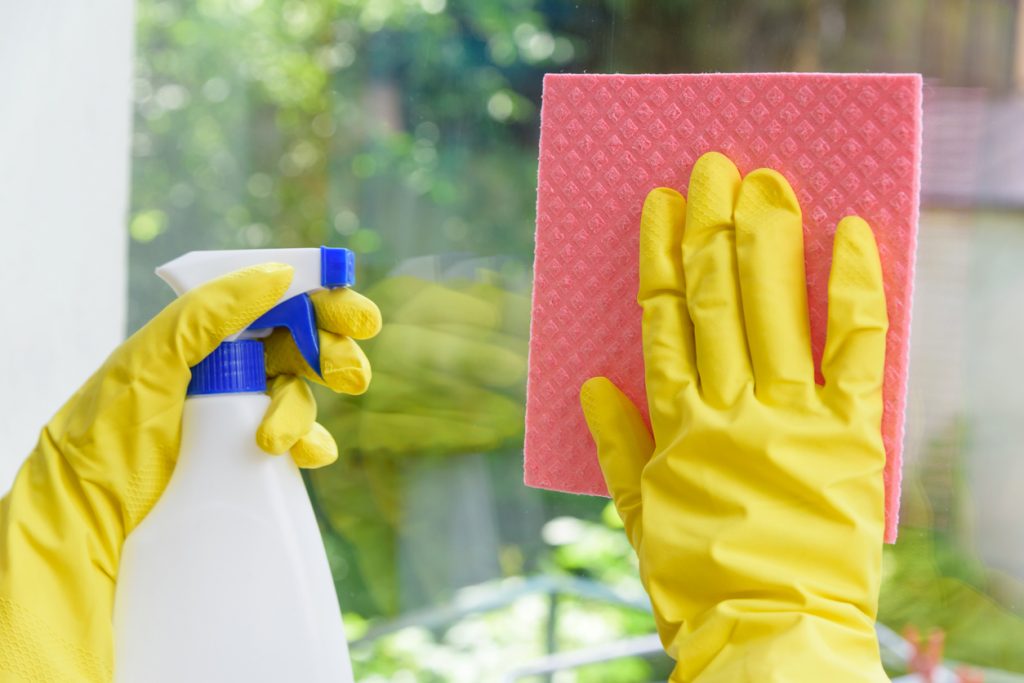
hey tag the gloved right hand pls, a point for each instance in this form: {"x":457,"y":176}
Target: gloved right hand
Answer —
{"x":104,"y":459}
{"x":756,"y":509}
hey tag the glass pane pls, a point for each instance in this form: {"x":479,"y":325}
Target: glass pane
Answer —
{"x":407,"y":131}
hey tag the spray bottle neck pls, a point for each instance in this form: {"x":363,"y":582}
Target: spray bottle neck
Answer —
{"x":234,"y":367}
{"x":237,"y":365}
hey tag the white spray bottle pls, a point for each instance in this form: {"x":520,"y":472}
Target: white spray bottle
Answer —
{"x":226,"y":579}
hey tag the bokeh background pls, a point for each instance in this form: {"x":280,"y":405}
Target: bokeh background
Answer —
{"x":407,"y":130}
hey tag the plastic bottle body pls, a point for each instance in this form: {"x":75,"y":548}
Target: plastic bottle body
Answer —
{"x":226,"y":579}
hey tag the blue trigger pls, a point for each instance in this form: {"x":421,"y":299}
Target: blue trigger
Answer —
{"x":297,"y":316}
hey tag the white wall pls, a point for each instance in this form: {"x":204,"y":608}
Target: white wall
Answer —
{"x":65,"y":119}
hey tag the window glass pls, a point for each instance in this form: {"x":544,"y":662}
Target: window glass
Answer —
{"x":406,"y":130}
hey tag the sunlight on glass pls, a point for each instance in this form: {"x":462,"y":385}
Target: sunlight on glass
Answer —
{"x":260,"y":185}
{"x":146,"y":225}
{"x":563,"y":531}
{"x":586,"y":630}
{"x":420,"y":181}
{"x":502,"y":50}
{"x":500,"y":106}
{"x":523,"y":32}
{"x":424,"y":153}
{"x":304,"y":154}
{"x":364,"y":165}
{"x":323,"y":125}
{"x":301,"y":18}
{"x":216,"y":89}
{"x":245,"y":5}
{"x":364,"y":241}
{"x":375,"y":14}
{"x":433,"y":6}
{"x":563,"y":51}
{"x":610,"y":516}
{"x":346,"y":222}
{"x":172,"y":96}
{"x":337,"y":56}
{"x":256,"y":235}
{"x":539,"y":47}
{"x":355,"y":625}
{"x":428,"y":130}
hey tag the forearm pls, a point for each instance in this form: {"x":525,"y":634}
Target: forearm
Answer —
{"x":733,"y":646}
{"x":56,"y":577}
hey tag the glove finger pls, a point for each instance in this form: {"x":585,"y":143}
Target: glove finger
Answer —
{"x":315,"y":449}
{"x":670,"y":362}
{"x":414,"y":350}
{"x":346,"y":312}
{"x":191,"y":327}
{"x":770,"y":257}
{"x":624,"y":446}
{"x":346,"y":369}
{"x":712,"y":281}
{"x":290,"y":416}
{"x":854,"y":360}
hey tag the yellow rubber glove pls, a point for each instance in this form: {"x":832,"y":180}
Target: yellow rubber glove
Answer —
{"x":107,"y":455}
{"x":343,"y":316}
{"x":756,"y":509}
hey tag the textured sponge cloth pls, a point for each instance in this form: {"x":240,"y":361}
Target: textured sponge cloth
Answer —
{"x":848,"y":144}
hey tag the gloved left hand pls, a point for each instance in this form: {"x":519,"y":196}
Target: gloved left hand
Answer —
{"x":756,"y":500}
{"x":106,"y":457}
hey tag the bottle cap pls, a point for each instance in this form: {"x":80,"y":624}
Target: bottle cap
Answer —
{"x":233,"y":368}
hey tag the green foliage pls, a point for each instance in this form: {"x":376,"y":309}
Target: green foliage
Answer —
{"x":918,"y":592}
{"x":486,"y":643}
{"x":932,"y":577}
{"x":393,"y":127}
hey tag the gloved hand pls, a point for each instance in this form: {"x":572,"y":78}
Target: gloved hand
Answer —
{"x":105,"y":458}
{"x":756,"y":509}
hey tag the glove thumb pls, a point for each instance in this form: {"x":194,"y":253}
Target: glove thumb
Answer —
{"x":624,"y":446}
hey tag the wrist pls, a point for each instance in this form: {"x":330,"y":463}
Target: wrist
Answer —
{"x":738,"y":643}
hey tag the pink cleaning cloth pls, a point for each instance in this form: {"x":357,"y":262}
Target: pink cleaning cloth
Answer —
{"x":848,"y":144}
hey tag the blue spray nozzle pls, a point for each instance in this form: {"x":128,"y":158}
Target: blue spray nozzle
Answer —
{"x":328,"y":267}
{"x":298,"y":317}
{"x":337,"y":269}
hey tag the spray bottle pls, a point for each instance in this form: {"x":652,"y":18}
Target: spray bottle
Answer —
{"x":226,"y":579}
